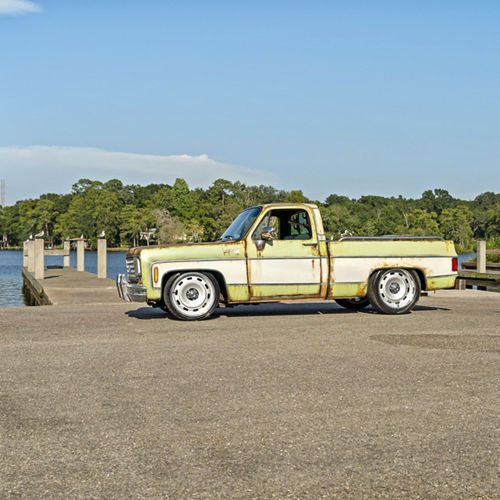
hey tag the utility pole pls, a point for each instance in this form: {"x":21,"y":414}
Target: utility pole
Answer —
{"x":3,"y":243}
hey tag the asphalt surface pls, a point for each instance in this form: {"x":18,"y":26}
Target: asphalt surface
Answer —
{"x":270,"y":401}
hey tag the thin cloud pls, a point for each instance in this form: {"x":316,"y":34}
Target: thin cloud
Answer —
{"x":31,"y":171}
{"x":18,"y":7}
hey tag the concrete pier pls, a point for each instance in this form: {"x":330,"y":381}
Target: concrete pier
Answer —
{"x":68,"y":286}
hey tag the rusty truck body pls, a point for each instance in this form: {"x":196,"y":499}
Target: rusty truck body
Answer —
{"x":279,"y":252}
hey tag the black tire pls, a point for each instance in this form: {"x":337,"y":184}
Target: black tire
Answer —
{"x":355,"y":304}
{"x":191,"y":295}
{"x":394,"y":291}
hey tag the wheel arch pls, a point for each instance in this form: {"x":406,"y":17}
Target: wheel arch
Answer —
{"x":216,"y":274}
{"x":418,"y":270}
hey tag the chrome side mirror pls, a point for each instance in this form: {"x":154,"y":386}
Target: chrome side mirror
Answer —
{"x":267,"y":233}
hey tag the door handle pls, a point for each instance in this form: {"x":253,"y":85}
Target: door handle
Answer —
{"x":310,"y":244}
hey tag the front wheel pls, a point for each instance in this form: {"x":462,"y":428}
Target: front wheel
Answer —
{"x":191,"y":295}
{"x":394,"y":291}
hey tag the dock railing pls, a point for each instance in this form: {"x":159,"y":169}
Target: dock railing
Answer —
{"x":482,"y":274}
{"x":35,"y":252}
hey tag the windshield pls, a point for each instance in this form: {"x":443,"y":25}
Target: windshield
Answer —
{"x":240,"y":226}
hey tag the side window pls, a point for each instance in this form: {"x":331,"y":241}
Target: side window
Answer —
{"x":288,"y":225}
{"x":269,"y":220}
{"x":299,"y":226}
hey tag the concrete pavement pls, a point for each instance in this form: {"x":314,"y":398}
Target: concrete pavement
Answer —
{"x":270,"y":401}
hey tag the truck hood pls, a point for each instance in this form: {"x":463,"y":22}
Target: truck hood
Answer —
{"x":135,"y":251}
{"x":189,"y":251}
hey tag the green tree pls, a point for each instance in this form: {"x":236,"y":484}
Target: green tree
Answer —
{"x":455,"y":224}
{"x":78,"y":220}
{"x":106,"y":215}
{"x":220,"y":191}
{"x":27,"y":216}
{"x":338,"y":221}
{"x":134,"y":221}
{"x":422,"y":223}
{"x":83,"y":186}
{"x":492,"y":218}
{"x":45,"y":215}
{"x":437,"y":200}
{"x":296,"y":196}
{"x":182,"y":200}
{"x":170,"y":229}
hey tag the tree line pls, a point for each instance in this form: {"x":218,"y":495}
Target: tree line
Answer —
{"x":161,"y":213}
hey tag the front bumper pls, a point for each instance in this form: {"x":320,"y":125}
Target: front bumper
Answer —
{"x":129,"y":292}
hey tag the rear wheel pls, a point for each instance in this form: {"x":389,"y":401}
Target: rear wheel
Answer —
{"x":394,"y":291}
{"x":191,"y":295}
{"x":356,"y":304}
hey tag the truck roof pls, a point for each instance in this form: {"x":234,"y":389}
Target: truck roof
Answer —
{"x":287,"y":205}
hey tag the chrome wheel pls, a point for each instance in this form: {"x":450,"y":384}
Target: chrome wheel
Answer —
{"x":192,"y":295}
{"x":397,"y":288}
{"x":394,"y":291}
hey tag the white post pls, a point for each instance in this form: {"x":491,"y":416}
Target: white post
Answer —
{"x":66,"y":246}
{"x":481,"y":256}
{"x":25,"y":253}
{"x":31,"y":256}
{"x":102,"y":248}
{"x":39,"y":259}
{"x":80,"y":255}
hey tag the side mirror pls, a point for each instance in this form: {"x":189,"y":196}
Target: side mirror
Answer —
{"x":267,"y":233}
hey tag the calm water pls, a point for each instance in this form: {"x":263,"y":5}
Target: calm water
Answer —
{"x":11,"y":281}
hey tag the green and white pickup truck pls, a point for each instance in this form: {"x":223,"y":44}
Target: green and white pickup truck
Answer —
{"x":279,"y":252}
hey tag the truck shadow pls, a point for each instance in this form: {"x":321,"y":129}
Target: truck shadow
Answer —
{"x":281,"y":309}
{"x":275,"y":309}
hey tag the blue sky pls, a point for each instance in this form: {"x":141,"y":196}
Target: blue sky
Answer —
{"x":348,"y":97}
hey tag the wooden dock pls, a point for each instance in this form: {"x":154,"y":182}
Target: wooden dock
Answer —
{"x":67,"y":285}
{"x":487,"y":279}
{"x":483,"y":281}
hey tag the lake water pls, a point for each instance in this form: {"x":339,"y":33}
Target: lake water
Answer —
{"x":11,"y":280}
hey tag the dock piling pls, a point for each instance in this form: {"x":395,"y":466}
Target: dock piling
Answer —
{"x":102,"y":257}
{"x":80,"y":255}
{"x":481,"y":256}
{"x":31,"y":256}
{"x":25,"y":253}
{"x":39,"y":258}
{"x":66,"y":247}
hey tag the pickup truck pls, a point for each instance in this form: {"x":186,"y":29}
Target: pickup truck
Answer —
{"x":279,"y":252}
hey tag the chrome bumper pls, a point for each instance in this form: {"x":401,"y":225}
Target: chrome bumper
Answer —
{"x":129,"y":292}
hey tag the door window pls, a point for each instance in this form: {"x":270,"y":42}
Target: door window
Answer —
{"x":288,"y":224}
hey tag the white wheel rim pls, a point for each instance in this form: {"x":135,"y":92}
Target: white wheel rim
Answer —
{"x":192,"y":294}
{"x":397,"y":288}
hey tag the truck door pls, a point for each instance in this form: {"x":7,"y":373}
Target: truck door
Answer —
{"x":289,"y":264}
